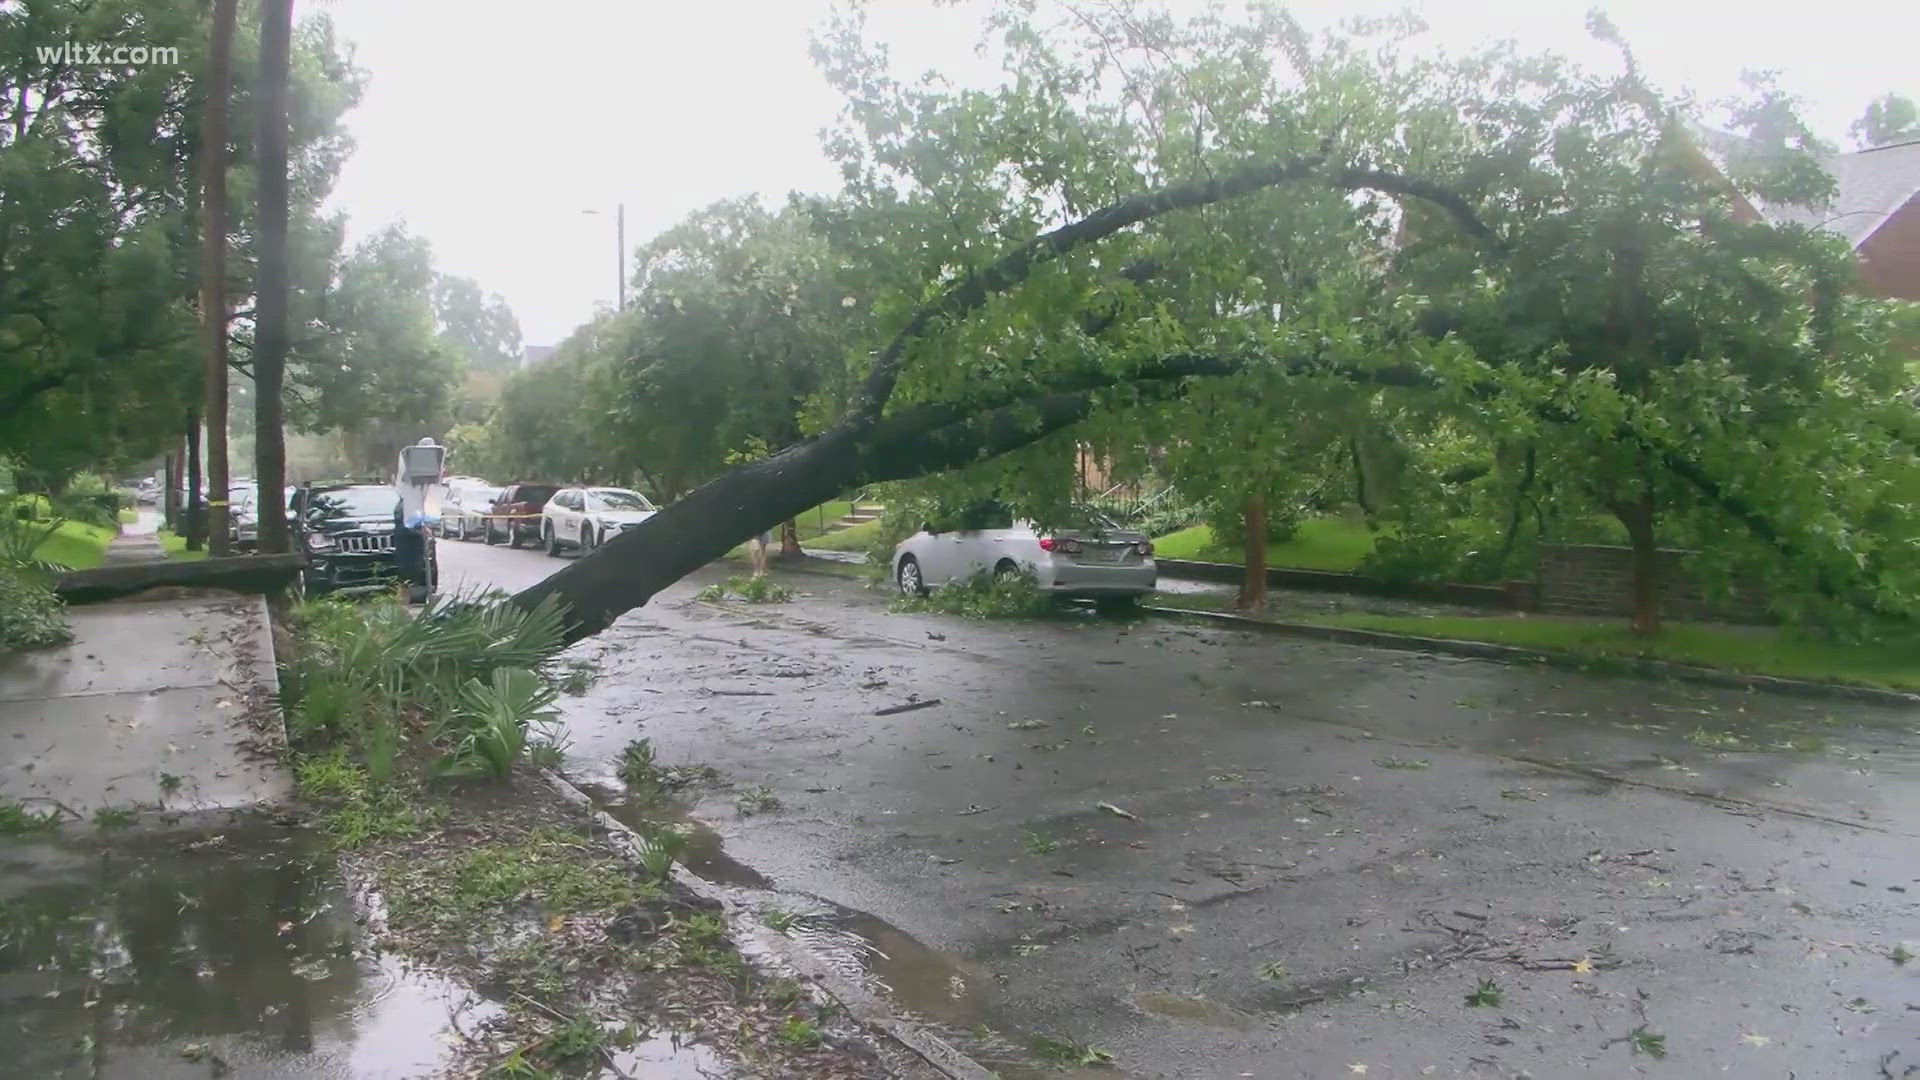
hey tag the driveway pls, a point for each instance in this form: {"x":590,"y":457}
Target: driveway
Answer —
{"x":1220,"y":854}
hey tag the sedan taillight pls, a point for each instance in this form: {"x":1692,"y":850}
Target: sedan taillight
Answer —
{"x":1144,"y":547}
{"x":1064,"y":547}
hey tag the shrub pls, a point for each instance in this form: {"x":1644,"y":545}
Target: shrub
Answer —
{"x":463,"y":677}
{"x":31,"y":616}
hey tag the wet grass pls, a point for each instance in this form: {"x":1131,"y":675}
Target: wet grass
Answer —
{"x":353,"y":810}
{"x":175,"y":546}
{"x":75,"y":544}
{"x":1332,"y":543}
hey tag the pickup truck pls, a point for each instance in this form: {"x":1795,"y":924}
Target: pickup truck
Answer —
{"x":514,"y":517}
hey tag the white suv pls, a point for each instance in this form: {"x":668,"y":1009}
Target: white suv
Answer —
{"x":1090,"y":556}
{"x":586,"y":517}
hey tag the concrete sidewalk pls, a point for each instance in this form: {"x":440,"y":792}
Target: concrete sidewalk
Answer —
{"x":138,"y":542}
{"x":161,"y":703}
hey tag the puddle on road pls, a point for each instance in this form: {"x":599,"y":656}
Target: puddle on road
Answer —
{"x":921,"y":981}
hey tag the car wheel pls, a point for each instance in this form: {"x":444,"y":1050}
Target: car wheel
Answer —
{"x":908,"y":577}
{"x":586,"y":541}
{"x":551,"y":539}
{"x":1117,"y":605}
{"x":1005,"y":569}
{"x":514,"y":536}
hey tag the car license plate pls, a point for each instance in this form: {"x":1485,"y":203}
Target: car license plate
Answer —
{"x":1101,"y":554}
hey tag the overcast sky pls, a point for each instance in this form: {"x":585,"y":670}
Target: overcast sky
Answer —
{"x":492,"y":129}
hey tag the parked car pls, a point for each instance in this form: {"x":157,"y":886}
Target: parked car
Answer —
{"x":463,"y":513}
{"x":354,"y":543}
{"x":514,"y":517}
{"x":586,"y":517}
{"x":1089,"y":556}
{"x":148,"y":491}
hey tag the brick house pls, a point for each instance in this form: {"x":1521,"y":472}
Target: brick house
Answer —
{"x":1876,"y":209}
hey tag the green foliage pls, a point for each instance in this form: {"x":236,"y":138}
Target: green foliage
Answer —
{"x":99,"y":342}
{"x":31,"y":616}
{"x":16,"y":818}
{"x":752,"y":588}
{"x":1485,"y":995}
{"x":460,"y":678}
{"x":1013,"y":595}
{"x":494,"y":717}
{"x":1889,"y":119}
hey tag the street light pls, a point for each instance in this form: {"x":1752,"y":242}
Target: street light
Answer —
{"x":620,"y":239}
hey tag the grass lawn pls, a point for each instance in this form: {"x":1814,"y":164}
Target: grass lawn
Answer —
{"x":176,"y":547}
{"x":75,"y":544}
{"x":852,"y":538}
{"x":1331,"y":543}
{"x":1761,"y":650}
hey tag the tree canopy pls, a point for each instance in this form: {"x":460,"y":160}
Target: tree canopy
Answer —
{"x":1185,"y":228}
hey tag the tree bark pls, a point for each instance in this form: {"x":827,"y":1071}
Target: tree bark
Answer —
{"x":1638,"y":518}
{"x":213,"y":283}
{"x":1253,"y":582}
{"x":196,"y":510}
{"x":271,"y":332}
{"x":170,"y":498}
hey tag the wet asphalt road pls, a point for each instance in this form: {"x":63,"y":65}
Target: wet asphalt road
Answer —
{"x":1330,"y":847}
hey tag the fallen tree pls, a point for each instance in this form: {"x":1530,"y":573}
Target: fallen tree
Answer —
{"x":1555,"y":256}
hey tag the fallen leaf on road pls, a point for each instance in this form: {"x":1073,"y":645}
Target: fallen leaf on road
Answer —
{"x":1115,"y":811}
{"x":1026,"y":725}
{"x":974,"y":809}
{"x":1583,"y":965}
{"x":1754,"y":1040}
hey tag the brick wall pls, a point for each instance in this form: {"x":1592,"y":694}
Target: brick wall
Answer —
{"x":1597,"y":579}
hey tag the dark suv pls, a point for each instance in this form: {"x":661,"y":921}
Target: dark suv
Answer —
{"x":354,"y":541}
{"x":515,"y":515}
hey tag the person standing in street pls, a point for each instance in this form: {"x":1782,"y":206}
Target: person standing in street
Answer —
{"x":757,"y":551}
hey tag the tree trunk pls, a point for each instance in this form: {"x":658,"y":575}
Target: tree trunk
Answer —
{"x":790,"y":539}
{"x":213,"y":283}
{"x":170,"y":498}
{"x":1253,"y":582}
{"x":690,"y":533}
{"x":1638,"y":518}
{"x":270,"y":288}
{"x":196,"y":510}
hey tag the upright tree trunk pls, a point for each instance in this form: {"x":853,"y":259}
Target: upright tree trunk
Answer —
{"x":213,"y":283}
{"x":1638,"y":517}
{"x":271,"y":334}
{"x":170,"y":498}
{"x":1253,"y":583}
{"x":790,"y":539}
{"x":196,"y":515}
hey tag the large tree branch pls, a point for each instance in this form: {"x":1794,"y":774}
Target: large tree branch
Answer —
{"x":972,"y":292}
{"x":19,"y":396}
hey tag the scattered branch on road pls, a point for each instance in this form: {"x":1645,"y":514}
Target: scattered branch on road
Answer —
{"x":908,"y":707}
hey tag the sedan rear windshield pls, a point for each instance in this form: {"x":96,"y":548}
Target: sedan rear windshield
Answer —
{"x":535,"y":493}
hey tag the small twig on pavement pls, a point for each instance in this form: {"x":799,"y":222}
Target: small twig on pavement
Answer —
{"x":908,"y":707}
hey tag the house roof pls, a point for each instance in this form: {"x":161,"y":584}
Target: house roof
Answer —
{"x":1870,"y":186}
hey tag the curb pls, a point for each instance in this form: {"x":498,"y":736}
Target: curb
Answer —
{"x":1482,"y":650}
{"x":860,"y":1003}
